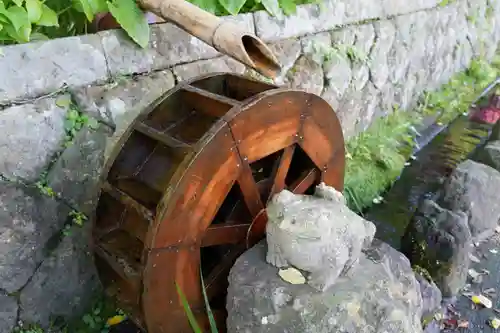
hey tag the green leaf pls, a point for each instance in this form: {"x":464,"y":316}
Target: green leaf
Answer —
{"x":18,"y":16}
{"x":232,"y":6}
{"x":288,"y":6}
{"x":34,"y":9}
{"x":91,"y":7}
{"x":48,"y":18}
{"x":19,"y":3}
{"x":38,"y":36}
{"x":211,"y":319}
{"x":187,"y":309}
{"x":208,"y":5}
{"x":272,"y":7}
{"x":21,"y":36}
{"x":131,"y":18}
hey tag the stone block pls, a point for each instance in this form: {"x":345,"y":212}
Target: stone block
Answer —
{"x":34,"y":69}
{"x":119,"y":104}
{"x":28,"y":220}
{"x":221,"y":64}
{"x":75,"y":176}
{"x":169,"y":45}
{"x":8,"y":313}
{"x":65,"y":284}
{"x":308,"y":19}
{"x":31,"y":134}
{"x":306,"y":75}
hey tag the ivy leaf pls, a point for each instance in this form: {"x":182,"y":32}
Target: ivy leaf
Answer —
{"x":128,"y":14}
{"x":48,"y":18}
{"x":232,"y":6}
{"x":272,"y":7}
{"x":288,"y":6}
{"x":34,"y":9}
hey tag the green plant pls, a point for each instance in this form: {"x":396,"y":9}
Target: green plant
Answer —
{"x":189,"y":313}
{"x":375,"y":158}
{"x":22,"y":21}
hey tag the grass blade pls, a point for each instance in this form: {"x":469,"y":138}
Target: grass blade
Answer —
{"x":211,"y":319}
{"x":192,"y":321}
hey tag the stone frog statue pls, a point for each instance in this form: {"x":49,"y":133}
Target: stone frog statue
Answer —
{"x":318,"y":234}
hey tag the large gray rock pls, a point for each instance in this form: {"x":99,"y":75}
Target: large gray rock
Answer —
{"x":8,"y":313}
{"x":473,"y":189}
{"x":318,"y":234}
{"x":33,"y":69}
{"x":431,"y":296}
{"x":490,"y":155}
{"x":75,"y":176}
{"x":31,"y":134}
{"x":65,"y":284}
{"x":439,"y":241}
{"x":381,"y":295}
{"x":28,"y":220}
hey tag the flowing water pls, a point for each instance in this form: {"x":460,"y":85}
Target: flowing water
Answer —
{"x":443,"y":149}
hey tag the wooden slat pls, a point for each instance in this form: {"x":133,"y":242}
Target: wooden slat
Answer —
{"x":207,"y":102}
{"x":249,"y":189}
{"x":281,"y":171}
{"x":121,"y":264}
{"x":166,"y":139}
{"x":225,"y":233}
{"x":128,"y":201}
{"x":305,"y":181}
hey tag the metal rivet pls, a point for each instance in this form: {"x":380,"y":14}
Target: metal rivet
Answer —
{"x":245,"y":158}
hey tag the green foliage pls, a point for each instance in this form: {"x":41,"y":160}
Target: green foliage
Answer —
{"x":75,"y":119}
{"x":189,"y":313}
{"x":23,"y":21}
{"x":375,"y":158}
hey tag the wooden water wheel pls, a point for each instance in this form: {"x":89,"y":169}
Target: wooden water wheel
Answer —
{"x":185,"y":192}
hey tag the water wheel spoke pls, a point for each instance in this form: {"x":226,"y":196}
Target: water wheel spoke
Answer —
{"x":164,"y":138}
{"x":305,"y":181}
{"x":128,"y":201}
{"x":226,"y":233}
{"x":280,"y":171}
{"x":207,"y":102}
{"x":249,"y":189}
{"x":216,"y":282}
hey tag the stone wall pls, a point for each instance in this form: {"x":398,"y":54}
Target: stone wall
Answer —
{"x":64,"y":103}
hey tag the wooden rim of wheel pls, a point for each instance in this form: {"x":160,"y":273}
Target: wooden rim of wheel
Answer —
{"x":193,"y":213}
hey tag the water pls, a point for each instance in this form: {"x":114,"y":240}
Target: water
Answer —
{"x":443,"y":149}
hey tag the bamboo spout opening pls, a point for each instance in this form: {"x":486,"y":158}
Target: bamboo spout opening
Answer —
{"x":226,"y":37}
{"x":262,"y":57}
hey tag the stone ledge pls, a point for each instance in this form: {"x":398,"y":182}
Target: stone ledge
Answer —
{"x":331,"y":14}
{"x":34,"y":69}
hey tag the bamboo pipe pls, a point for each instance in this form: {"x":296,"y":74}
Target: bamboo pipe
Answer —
{"x":226,"y":37}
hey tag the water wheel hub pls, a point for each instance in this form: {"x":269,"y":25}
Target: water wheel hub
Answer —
{"x":185,"y":193}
